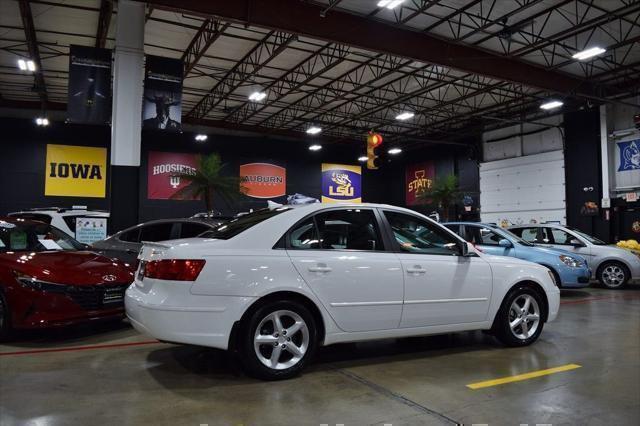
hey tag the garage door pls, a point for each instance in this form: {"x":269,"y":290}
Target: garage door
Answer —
{"x":523,"y":189}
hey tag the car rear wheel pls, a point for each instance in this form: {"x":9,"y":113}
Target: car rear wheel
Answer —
{"x":520,"y":319}
{"x":613,"y":275}
{"x":5,"y":325}
{"x":278,"y":340}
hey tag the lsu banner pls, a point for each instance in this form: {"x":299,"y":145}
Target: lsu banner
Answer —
{"x":341,"y":183}
{"x":75,"y":171}
{"x":418,"y":179}
{"x":263,"y":180}
{"x":629,"y":158}
{"x":89,"y":93}
{"x":162,"y":107}
{"x":162,"y":167}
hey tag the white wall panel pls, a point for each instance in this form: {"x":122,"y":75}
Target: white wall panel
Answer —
{"x":522,"y":189}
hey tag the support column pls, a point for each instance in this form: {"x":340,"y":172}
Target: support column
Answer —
{"x":127,"y":113}
{"x":604,"y":151}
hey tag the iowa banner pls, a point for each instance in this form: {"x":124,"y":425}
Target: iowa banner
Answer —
{"x":75,"y":171}
{"x":418,"y":179}
{"x":162,"y":107}
{"x":341,"y":183}
{"x":89,"y":93}
{"x":162,"y":182}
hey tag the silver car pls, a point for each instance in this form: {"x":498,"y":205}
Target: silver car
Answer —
{"x":611,"y":265}
{"x":126,"y":244}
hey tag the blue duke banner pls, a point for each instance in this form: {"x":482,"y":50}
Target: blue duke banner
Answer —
{"x":629,"y":158}
{"x":341,"y":183}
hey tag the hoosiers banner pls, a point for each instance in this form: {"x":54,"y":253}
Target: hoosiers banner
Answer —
{"x":263,"y":180}
{"x":162,"y":107}
{"x":89,"y":93}
{"x":162,"y":167}
{"x":418,"y":179}
{"x":75,"y":171}
{"x":341,"y":183}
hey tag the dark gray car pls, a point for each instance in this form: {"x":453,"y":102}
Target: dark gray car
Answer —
{"x":126,"y":244}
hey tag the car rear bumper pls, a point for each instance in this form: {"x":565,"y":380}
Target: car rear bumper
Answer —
{"x":168,"y":311}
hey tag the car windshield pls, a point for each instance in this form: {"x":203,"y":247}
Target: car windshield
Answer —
{"x":592,"y":240}
{"x":34,"y":237}
{"x":242,"y":223}
{"x":512,"y":236}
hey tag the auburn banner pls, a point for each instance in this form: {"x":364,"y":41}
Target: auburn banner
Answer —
{"x":263,"y":180}
{"x":75,"y":171}
{"x":418,"y":179}
{"x":162,"y":167}
{"x":341,"y":183}
{"x":162,"y":107}
{"x":89,"y":93}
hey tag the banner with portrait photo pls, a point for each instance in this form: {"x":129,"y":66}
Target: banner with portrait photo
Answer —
{"x":162,"y":105}
{"x":162,"y":167}
{"x":341,"y":183}
{"x":418,"y":179}
{"x":89,"y":91}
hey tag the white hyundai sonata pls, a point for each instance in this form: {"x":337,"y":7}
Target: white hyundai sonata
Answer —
{"x":277,"y":283}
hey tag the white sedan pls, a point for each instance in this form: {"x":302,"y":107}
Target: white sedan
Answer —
{"x":277,"y":283}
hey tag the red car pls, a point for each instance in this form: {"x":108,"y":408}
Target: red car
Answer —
{"x":48,"y":279}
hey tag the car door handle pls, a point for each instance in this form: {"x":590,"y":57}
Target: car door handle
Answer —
{"x":320,"y":268}
{"x":416,"y":270}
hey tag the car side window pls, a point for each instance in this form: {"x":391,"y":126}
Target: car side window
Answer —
{"x":156,"y":232}
{"x":348,"y":229}
{"x":132,"y":236}
{"x":304,"y":236}
{"x":488,"y":237}
{"x":416,"y":235}
{"x":192,"y":230}
{"x":527,"y":234}
{"x":557,"y":236}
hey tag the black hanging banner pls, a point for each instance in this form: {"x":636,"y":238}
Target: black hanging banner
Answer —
{"x":89,"y":93}
{"x":162,"y":107}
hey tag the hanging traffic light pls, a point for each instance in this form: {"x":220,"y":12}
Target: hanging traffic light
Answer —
{"x":373,"y":141}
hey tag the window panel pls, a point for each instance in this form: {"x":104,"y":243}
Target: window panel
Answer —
{"x":415,"y":235}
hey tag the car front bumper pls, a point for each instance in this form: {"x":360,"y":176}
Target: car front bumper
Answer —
{"x":168,"y":311}
{"x":575,"y":277}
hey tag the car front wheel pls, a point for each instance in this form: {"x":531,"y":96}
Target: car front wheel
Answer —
{"x":278,"y":340}
{"x":613,"y":275}
{"x":520,"y":319}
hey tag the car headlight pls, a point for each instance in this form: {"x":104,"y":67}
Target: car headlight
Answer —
{"x":32,"y":283}
{"x":570,"y":261}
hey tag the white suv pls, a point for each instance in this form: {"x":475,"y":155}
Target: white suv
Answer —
{"x":62,"y":218}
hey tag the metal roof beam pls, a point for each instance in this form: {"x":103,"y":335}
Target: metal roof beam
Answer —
{"x":30,"y":33}
{"x":209,"y":32}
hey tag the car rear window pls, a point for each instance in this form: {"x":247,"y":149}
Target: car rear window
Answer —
{"x":242,"y":223}
{"x":34,"y":216}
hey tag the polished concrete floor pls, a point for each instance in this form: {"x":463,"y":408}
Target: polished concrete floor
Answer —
{"x":112,"y":375}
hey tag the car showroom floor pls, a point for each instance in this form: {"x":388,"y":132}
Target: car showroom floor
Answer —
{"x":113,"y":375}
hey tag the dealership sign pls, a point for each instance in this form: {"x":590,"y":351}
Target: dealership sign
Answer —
{"x":341,"y":183}
{"x":162,"y":168}
{"x":418,"y":179}
{"x":75,"y":171}
{"x":263,"y":180}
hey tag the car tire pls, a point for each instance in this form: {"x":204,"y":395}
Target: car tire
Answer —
{"x":5,"y":319}
{"x":613,"y":275}
{"x":513,"y":326}
{"x":277,"y":340}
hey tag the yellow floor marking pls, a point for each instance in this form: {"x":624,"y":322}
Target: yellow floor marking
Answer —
{"x":520,"y":377}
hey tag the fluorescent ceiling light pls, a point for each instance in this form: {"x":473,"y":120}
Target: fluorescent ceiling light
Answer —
{"x":41,"y":121}
{"x":22,"y":64}
{"x":315,"y":147}
{"x":404,"y":116}
{"x":394,"y":151}
{"x":390,"y":4}
{"x":201,"y":137}
{"x":363,"y":158}
{"x":257,"y":96}
{"x":313,"y":130}
{"x":551,"y":105}
{"x":31,"y":66}
{"x":589,"y":53}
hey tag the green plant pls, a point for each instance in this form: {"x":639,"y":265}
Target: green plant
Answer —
{"x":444,"y":193}
{"x":208,"y":180}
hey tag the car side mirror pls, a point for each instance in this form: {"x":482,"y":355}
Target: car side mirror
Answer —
{"x":576,"y":242}
{"x":505,"y":243}
{"x":460,"y":249}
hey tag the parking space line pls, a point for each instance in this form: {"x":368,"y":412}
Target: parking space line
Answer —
{"x":521,"y":377}
{"x":81,"y":348}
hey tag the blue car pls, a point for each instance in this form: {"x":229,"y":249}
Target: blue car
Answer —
{"x":569,"y":269}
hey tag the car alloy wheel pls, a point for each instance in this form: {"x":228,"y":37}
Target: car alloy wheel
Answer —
{"x":524,"y":316}
{"x":281,"y":339}
{"x":613,"y":275}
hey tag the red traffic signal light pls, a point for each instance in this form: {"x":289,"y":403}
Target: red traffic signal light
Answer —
{"x":373,"y":141}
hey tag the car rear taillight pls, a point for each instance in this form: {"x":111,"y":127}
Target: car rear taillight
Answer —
{"x":174,"y":269}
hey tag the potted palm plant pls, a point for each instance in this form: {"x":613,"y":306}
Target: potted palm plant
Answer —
{"x":208,"y":180}
{"x":444,"y":193}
